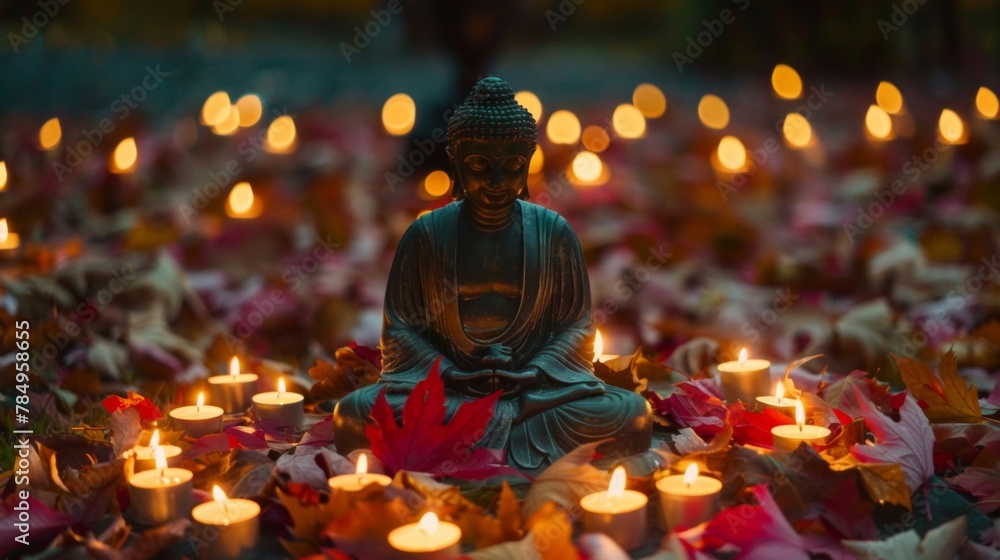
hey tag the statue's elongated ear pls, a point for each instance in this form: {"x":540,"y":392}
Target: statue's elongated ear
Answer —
{"x":457,"y":191}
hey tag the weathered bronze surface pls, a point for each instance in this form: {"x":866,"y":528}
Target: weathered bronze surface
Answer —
{"x":497,"y":288}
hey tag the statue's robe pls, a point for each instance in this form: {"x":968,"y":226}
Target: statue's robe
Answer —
{"x":552,"y":331}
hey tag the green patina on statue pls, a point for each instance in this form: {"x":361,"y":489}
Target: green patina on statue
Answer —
{"x":497,"y":288}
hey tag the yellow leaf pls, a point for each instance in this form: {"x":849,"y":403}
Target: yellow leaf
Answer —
{"x":947,"y":398}
{"x":552,"y":531}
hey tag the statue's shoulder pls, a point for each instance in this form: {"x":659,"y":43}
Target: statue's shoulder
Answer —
{"x":426,"y":224}
{"x":545,"y":216}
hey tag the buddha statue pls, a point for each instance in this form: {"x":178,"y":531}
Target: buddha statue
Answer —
{"x":497,"y":288}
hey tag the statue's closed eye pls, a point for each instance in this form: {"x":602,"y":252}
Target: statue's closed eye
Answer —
{"x":515,"y":163}
{"x":477,"y":163}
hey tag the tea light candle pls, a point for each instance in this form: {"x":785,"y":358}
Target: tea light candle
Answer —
{"x":233,"y":392}
{"x":145,"y":459}
{"x":199,"y":420}
{"x":778,"y":402}
{"x":618,"y":513}
{"x":360,"y":479}
{"x":788,"y":437}
{"x":429,"y":539}
{"x":236,"y":521}
{"x":599,"y":355}
{"x":284,"y":407}
{"x":745,"y":380}
{"x":687,"y":499}
{"x":162,"y":494}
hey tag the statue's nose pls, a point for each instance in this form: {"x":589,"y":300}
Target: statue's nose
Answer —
{"x":496,"y":178}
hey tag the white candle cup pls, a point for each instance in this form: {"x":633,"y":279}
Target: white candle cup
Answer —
{"x":286,"y":409}
{"x":687,"y":505}
{"x":356,"y":482}
{"x":198,"y":421}
{"x":622,"y":518}
{"x":145,"y":461}
{"x":413,"y":542}
{"x":229,"y":532}
{"x":789,"y":436}
{"x":783,"y":405}
{"x":745,"y":380}
{"x":160,"y":496}
{"x":233,"y":392}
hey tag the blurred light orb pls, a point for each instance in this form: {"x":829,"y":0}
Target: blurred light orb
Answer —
{"x":3,"y":175}
{"x":228,"y":125}
{"x":951,"y":127}
{"x":587,"y":166}
{"x":732,"y":154}
{"x":797,"y":130}
{"x":437,"y":183}
{"x":650,"y":100}
{"x":537,"y":162}
{"x":531,"y":102}
{"x":595,"y":138}
{"x":281,"y":135}
{"x":240,"y":199}
{"x":786,"y":82}
{"x":125,"y":156}
{"x":50,"y":134}
{"x":563,"y":128}
{"x":713,"y":112}
{"x":628,"y":121}
{"x":216,"y":108}
{"x":399,"y":114}
{"x":250,"y":109}
{"x":878,"y":123}
{"x":987,"y":103}
{"x":889,"y":98}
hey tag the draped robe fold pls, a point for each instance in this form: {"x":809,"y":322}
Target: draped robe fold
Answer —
{"x":552,"y":331}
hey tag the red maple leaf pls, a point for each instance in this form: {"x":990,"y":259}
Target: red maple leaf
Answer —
{"x":754,"y":428}
{"x":424,"y":443}
{"x":147,"y":410}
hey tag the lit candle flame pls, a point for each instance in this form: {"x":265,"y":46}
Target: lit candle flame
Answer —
{"x":428,"y":524}
{"x":125,"y":156}
{"x":598,"y":345}
{"x":50,"y":134}
{"x":155,"y":440}
{"x":743,"y":356}
{"x":219,"y":495}
{"x":234,"y":366}
{"x":4,"y":233}
{"x":800,"y":414}
{"x":161,"y":461}
{"x":220,"y":498}
{"x":362,"y":465}
{"x":691,"y":474}
{"x":240,"y":200}
{"x":281,"y":385}
{"x":617,"y":486}
{"x":201,"y":401}
{"x":951,"y":127}
{"x":779,"y":391}
{"x":878,"y":123}
{"x":3,"y":175}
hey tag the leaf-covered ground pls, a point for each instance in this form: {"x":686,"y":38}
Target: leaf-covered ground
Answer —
{"x":881,"y":257}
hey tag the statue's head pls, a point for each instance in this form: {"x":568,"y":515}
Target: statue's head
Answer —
{"x":490,"y":142}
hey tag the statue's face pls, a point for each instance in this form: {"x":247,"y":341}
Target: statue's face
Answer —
{"x":493,"y":173}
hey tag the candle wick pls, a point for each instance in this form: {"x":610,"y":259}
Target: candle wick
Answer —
{"x":800,"y":428}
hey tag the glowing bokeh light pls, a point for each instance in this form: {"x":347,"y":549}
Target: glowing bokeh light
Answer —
{"x":649,"y":100}
{"x":732,"y":154}
{"x":628,"y":121}
{"x":563,"y":128}
{"x":216,"y":108}
{"x":531,"y":102}
{"x":50,"y":134}
{"x":987,"y":103}
{"x":587,"y":167}
{"x":595,"y":138}
{"x":951,"y":127}
{"x":399,"y":114}
{"x":786,"y":82}
{"x":797,"y":131}
{"x":537,"y":162}
{"x":125,"y":156}
{"x":250,"y":108}
{"x":889,"y":98}
{"x":713,"y":112}
{"x":229,"y":125}
{"x":281,"y":135}
{"x":878,"y":123}
{"x":437,"y":183}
